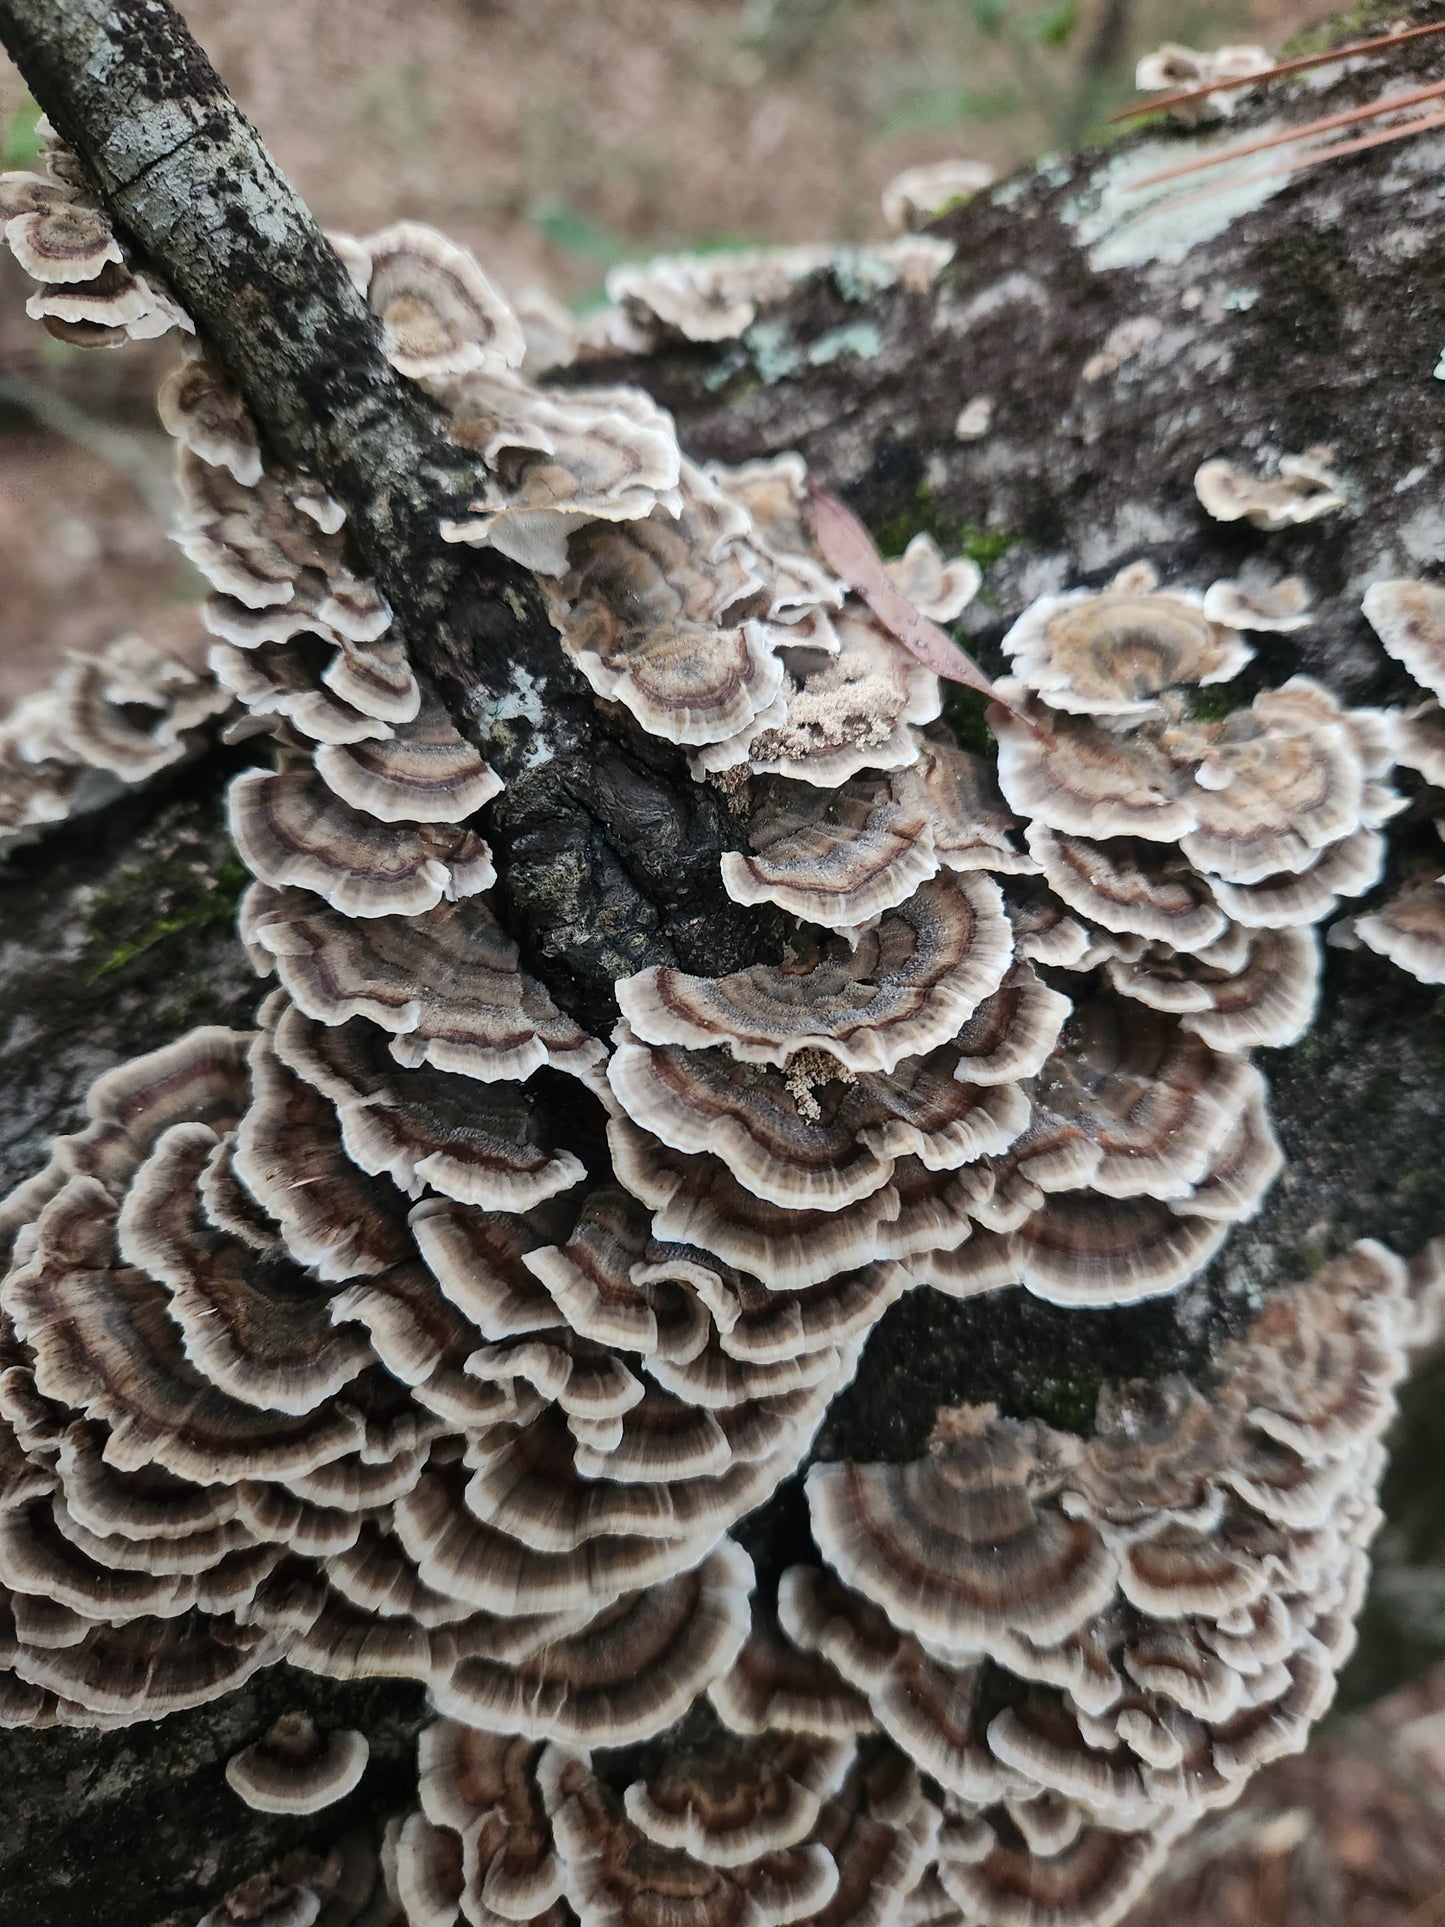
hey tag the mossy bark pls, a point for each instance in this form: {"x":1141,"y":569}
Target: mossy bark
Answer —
{"x":1311,"y":317}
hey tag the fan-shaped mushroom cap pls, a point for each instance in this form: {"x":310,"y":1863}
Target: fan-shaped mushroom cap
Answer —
{"x":374,"y":677}
{"x":652,"y":612}
{"x":840,"y":712}
{"x":129,"y":707}
{"x":605,"y":1290}
{"x":295,"y":1769}
{"x":616,"y":1875}
{"x":808,"y":1154}
{"x":1267,"y":1001}
{"x":774,"y":1686}
{"x":1283,"y":783}
{"x":283,"y":679}
{"x":1093,"y":1880}
{"x":105,"y":1344}
{"x":203,"y":408}
{"x":150,"y":1667}
{"x":740,"y":1797}
{"x":1083,"y":1249}
{"x":625,"y":1674}
{"x":904,"y":989}
{"x":834,"y":858}
{"x":559,"y":460}
{"x":1420,"y":742}
{"x":1344,"y":869}
{"x":254,"y":543}
{"x":445,"y":984}
{"x":474,"y":1142}
{"x":477,"y":1258}
{"x":1248,"y":603}
{"x":698,"y":1201}
{"x":290,"y":1157}
{"x":1137,"y":888}
{"x":290,"y":829}
{"x":1303,"y":490}
{"x":1409,"y":618}
{"x":439,"y":313}
{"x":712,"y":297}
{"x":118,"y":302}
{"x":1410,"y":930}
{"x":1077,"y":775}
{"x":258,"y":1329}
{"x":937,"y":589}
{"x":68,"y":241}
{"x":920,"y":194}
{"x":22,"y":192}
{"x":422,"y":772}
{"x":527,"y":1485}
{"x":953,"y":1540}
{"x":1114,"y":652}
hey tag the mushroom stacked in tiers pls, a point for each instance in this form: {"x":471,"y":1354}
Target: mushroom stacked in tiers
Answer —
{"x":89,"y":294}
{"x":1087,"y":1645}
{"x":111,"y":717}
{"x":344,"y":1341}
{"x":1409,"y":618}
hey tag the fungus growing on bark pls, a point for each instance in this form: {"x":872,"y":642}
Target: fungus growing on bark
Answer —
{"x":358,"y":1354}
{"x":439,"y":313}
{"x":920,"y":194}
{"x":1173,"y":68}
{"x":296,"y":1769}
{"x":1303,"y":490}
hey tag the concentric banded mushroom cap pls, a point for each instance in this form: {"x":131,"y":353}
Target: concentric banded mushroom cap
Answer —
{"x":1409,"y":929}
{"x":295,"y":1769}
{"x":1114,"y":652}
{"x":944,"y":1543}
{"x":1267,"y":1002}
{"x":1136,"y":888}
{"x":803,"y":1152}
{"x":736,"y":1799}
{"x":291,"y":829}
{"x":712,"y":297}
{"x":1082,"y":1249}
{"x":1076,"y":775}
{"x":774,"y":1686}
{"x":623,"y":1675}
{"x":1092,"y":1881}
{"x":1257,"y":605}
{"x":421,"y":772}
{"x":439,"y":313}
{"x":68,"y":241}
{"x":445,"y":984}
{"x":856,"y":709}
{"x":1409,"y":618}
{"x":202,"y":407}
{"x":905,"y":988}
{"x":478,"y":1143}
{"x":1344,"y":869}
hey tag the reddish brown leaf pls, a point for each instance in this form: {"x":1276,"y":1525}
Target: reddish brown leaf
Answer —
{"x":849,"y":552}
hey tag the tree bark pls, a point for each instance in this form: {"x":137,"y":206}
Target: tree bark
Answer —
{"x":1309,"y":317}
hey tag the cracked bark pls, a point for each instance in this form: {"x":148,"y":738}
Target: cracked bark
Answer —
{"x":1313,"y":318}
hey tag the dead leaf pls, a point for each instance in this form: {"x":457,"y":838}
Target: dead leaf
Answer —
{"x":849,"y":551}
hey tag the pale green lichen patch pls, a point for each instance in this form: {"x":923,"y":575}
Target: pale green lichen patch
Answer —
{"x":1125,"y":225}
{"x":776,"y":355}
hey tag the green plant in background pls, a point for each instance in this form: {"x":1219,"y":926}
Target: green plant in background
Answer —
{"x":401,"y":104}
{"x":21,"y":141}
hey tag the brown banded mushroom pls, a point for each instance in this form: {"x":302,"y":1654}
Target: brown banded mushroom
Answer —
{"x":905,"y":988}
{"x":1115,"y":652}
{"x":202,"y":408}
{"x":296,"y":1769}
{"x":920,"y":194}
{"x":439,"y":313}
{"x":291,"y":829}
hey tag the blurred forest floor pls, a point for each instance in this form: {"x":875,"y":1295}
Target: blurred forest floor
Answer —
{"x":556,"y":138}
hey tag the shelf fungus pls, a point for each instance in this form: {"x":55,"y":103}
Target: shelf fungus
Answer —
{"x":421,"y":1333}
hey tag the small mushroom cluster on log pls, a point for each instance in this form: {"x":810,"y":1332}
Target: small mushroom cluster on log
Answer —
{"x":419,"y":1333}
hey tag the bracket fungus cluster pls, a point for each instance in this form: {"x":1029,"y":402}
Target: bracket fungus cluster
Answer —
{"x":418,"y":1333}
{"x":89,"y":294}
